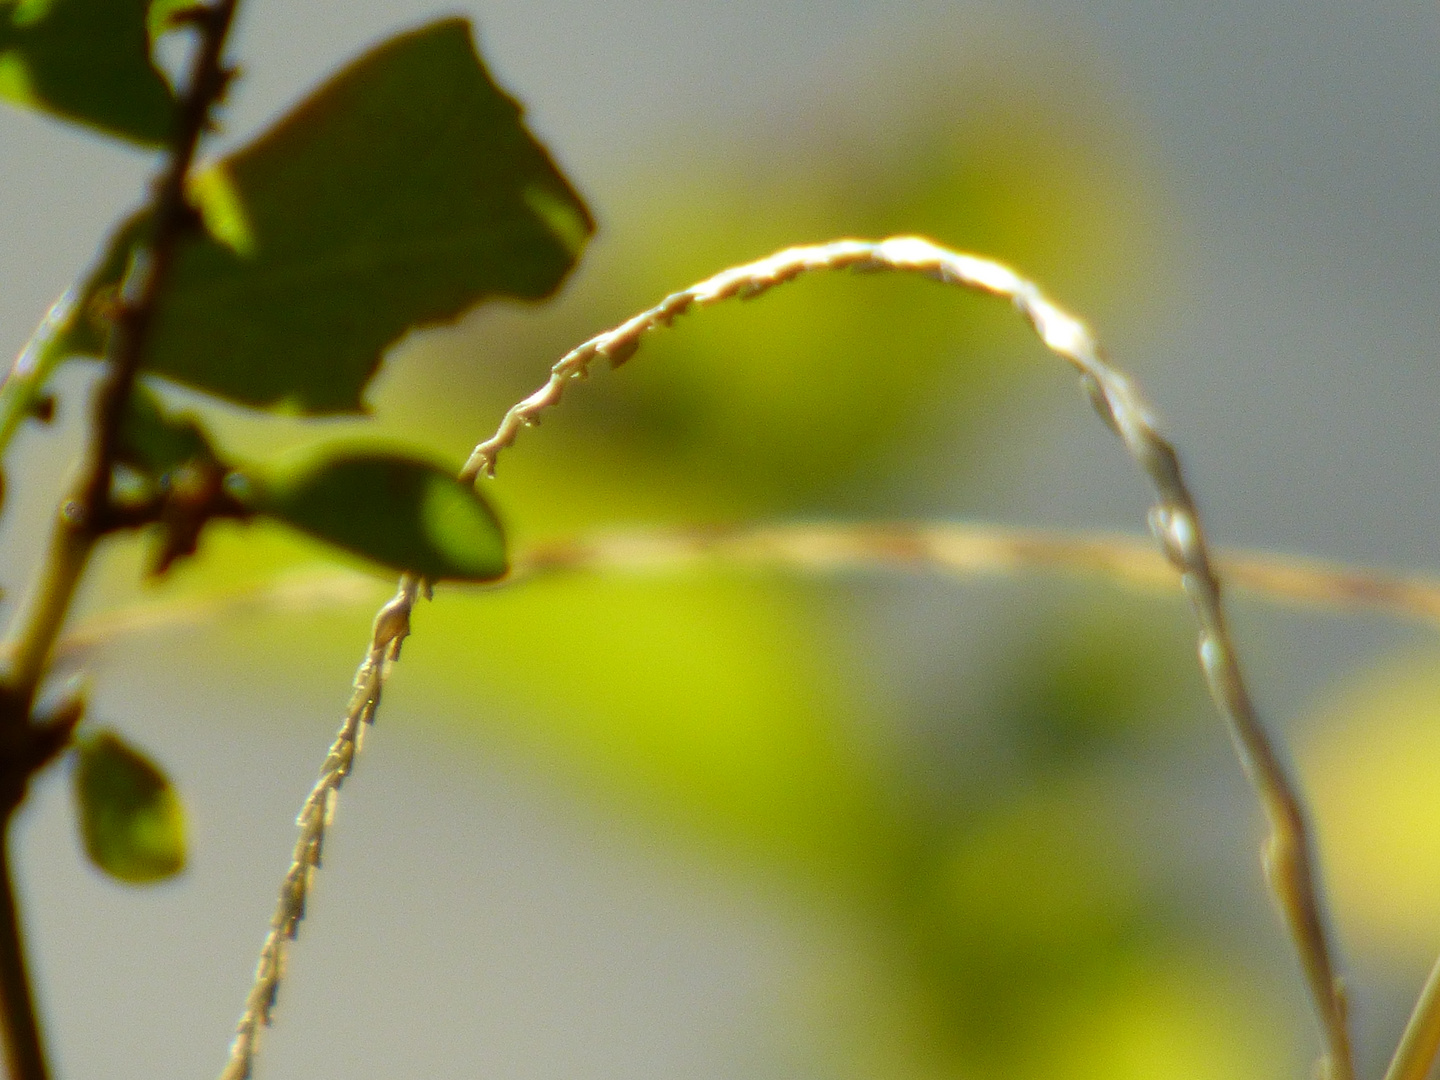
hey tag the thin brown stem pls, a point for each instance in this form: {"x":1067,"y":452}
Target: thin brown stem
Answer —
{"x":24,"y":1049}
{"x":64,"y":565}
{"x":84,"y":514}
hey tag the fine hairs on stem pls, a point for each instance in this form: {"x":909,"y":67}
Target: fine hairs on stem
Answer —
{"x":1175,"y":521}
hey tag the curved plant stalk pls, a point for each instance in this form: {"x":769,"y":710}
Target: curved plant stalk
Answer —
{"x":1289,"y":858}
{"x":24,"y":384}
{"x":392,"y":626}
{"x":1288,"y":855}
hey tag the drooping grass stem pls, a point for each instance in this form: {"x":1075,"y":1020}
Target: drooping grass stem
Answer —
{"x":1175,"y":521}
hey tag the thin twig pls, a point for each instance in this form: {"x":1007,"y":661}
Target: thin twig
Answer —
{"x":1289,"y":857}
{"x":316,"y":589}
{"x":25,"y":382}
{"x":950,"y":548}
{"x":392,"y":626}
{"x":83,"y":516}
{"x":24,"y":1046}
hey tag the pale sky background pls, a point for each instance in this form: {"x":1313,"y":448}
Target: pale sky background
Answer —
{"x":1298,"y":144}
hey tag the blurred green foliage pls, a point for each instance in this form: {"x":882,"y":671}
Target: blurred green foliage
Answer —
{"x":412,"y":516}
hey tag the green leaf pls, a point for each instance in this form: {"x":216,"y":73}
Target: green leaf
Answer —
{"x":157,"y":442}
{"x":86,"y":60}
{"x":130,"y":817}
{"x":402,"y":192}
{"x":404,"y":513}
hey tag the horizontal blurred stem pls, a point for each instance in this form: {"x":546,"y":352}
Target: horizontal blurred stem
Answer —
{"x":968,"y":549}
{"x":951,"y":549}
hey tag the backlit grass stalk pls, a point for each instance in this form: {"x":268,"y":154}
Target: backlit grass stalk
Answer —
{"x":950,"y":548}
{"x":391,"y":627}
{"x":1421,"y":1038}
{"x":1289,"y":857}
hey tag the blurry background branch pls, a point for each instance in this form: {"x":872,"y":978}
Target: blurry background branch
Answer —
{"x":947,"y":548}
{"x":969,"y":549}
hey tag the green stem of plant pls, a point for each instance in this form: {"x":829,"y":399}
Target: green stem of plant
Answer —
{"x":70,"y":548}
{"x":24,"y":1051}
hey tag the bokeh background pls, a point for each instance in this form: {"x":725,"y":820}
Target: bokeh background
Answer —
{"x":730,"y":823}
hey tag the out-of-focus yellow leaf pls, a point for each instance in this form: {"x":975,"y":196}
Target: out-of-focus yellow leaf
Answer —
{"x":1171,"y":1022}
{"x":704,"y":702}
{"x":1373,"y":773}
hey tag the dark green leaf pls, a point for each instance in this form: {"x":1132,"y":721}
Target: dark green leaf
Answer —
{"x":130,"y":817}
{"x":87,"y":60}
{"x":157,"y":442}
{"x":402,"y":192}
{"x":405,"y":514}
